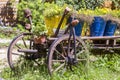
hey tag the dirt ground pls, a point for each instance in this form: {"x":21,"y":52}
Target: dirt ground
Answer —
{"x":3,"y":58}
{"x":3,"y":54}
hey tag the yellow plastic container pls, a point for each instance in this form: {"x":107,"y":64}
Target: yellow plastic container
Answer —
{"x":85,"y":30}
{"x":53,"y":22}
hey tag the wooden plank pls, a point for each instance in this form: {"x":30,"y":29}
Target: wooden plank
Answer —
{"x":118,"y":47}
{"x":99,"y":37}
{"x":95,"y":38}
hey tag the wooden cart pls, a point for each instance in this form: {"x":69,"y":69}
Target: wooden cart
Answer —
{"x":61,"y":52}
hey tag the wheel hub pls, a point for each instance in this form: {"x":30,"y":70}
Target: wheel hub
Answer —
{"x":71,"y":61}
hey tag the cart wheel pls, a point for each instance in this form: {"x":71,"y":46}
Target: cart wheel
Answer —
{"x":58,"y":60}
{"x":18,"y":51}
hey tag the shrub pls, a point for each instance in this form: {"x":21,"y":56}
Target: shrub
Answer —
{"x":37,"y":8}
{"x":78,"y":4}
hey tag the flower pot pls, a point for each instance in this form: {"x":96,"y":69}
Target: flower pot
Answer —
{"x":85,"y":29}
{"x":52,"y":23}
{"x":97,"y":27}
{"x":40,"y":40}
{"x":110,"y":28}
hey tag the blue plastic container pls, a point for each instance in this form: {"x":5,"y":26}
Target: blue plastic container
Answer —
{"x":78,"y":27}
{"x":98,"y":26}
{"x":110,"y":28}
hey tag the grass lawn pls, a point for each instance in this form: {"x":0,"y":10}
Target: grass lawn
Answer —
{"x":106,"y":67}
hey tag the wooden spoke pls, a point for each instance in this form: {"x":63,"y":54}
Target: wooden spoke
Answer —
{"x":18,"y":54}
{"x":58,"y":60}
{"x":17,"y":46}
{"x":62,"y":65}
{"x":60,"y":53}
{"x":24,"y":42}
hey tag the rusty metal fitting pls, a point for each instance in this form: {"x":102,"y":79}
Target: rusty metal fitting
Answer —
{"x":74,"y":22}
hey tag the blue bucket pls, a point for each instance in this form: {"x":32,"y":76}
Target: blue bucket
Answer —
{"x":110,"y":28}
{"x":98,"y":26}
{"x":78,"y":27}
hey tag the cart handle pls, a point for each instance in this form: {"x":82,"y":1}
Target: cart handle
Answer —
{"x":66,"y":11}
{"x":27,"y":13}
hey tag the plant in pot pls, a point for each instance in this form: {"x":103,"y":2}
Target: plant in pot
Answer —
{"x":52,"y":15}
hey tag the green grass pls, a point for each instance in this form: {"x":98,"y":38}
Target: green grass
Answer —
{"x":9,"y":32}
{"x":2,"y":45}
{"x":7,"y":35}
{"x":106,"y":67}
